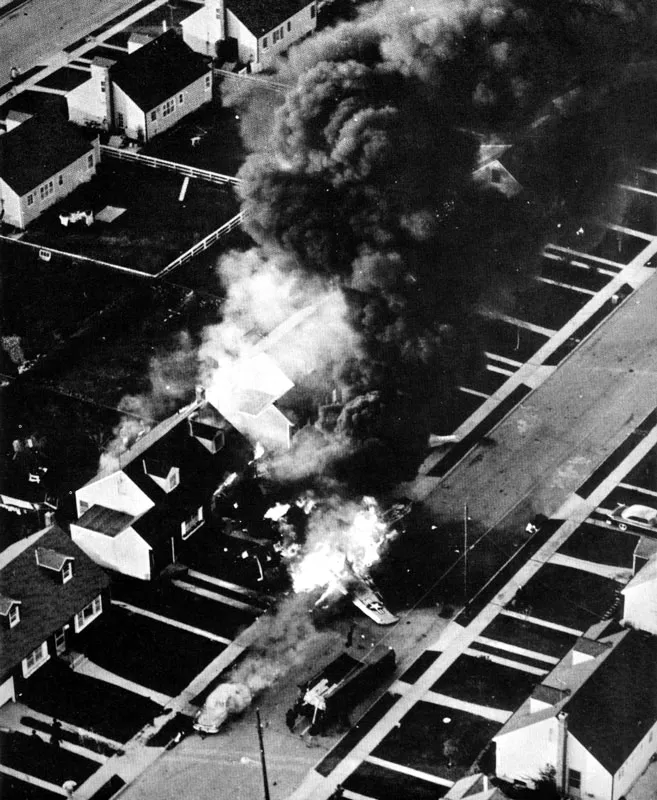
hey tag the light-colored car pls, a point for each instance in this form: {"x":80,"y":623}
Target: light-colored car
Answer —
{"x":228,"y":699}
{"x":638,"y":515}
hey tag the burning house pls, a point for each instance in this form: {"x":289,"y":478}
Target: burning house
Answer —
{"x":134,"y":519}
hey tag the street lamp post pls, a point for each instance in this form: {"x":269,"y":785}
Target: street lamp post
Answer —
{"x":262,"y":755}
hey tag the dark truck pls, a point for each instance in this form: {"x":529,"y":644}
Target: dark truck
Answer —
{"x":329,"y":695}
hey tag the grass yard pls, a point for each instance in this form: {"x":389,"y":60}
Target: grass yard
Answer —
{"x":88,"y":703}
{"x":155,"y":228}
{"x":569,"y":597}
{"x":438,"y":740}
{"x":601,"y":545}
{"x":481,"y":681}
{"x":42,"y":760}
{"x":158,"y":656}
{"x":530,"y":636}
{"x":375,"y":781}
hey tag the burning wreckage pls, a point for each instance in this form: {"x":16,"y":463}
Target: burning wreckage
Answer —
{"x":326,"y":545}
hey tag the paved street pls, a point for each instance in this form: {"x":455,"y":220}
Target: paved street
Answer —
{"x":39,"y":29}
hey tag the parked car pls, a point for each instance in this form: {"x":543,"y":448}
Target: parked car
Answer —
{"x":228,"y":699}
{"x":641,"y":516}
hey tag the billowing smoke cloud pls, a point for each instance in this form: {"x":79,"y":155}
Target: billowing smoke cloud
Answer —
{"x":361,"y":176}
{"x":170,"y":380}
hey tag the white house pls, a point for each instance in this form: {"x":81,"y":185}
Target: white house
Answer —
{"x":258,"y":31}
{"x":145,"y":92}
{"x":42,"y":160}
{"x":640,"y":594}
{"x":135,"y":519}
{"x":245,"y":393}
{"x":593,"y":720}
{"x":494,"y":170}
{"x":50,"y":591}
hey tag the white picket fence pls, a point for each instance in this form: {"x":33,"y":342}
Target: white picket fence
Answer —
{"x":173,"y":166}
{"x":199,"y":247}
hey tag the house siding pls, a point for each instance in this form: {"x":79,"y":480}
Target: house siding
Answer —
{"x":115,"y":491}
{"x":640,"y":606}
{"x":133,"y":118}
{"x":126,"y":553}
{"x":247,"y":43}
{"x":596,"y":781}
{"x":194,"y":96}
{"x":635,"y":764}
{"x":522,"y":754}
{"x":302,"y":23}
{"x":86,"y":104}
{"x":7,"y":691}
{"x":17,"y":210}
{"x":200,"y":32}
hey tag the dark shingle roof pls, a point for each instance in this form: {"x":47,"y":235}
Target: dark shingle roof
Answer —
{"x":617,"y":706}
{"x":38,"y":149}
{"x":158,"y":70}
{"x":260,"y":16}
{"x":105,"y":520}
{"x":46,"y":603}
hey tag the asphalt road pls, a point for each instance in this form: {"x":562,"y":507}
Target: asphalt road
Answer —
{"x":553,"y":440}
{"x":37,"y":31}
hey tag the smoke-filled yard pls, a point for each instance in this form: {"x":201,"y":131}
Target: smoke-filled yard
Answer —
{"x":155,"y":226}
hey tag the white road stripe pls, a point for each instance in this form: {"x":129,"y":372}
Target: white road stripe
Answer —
{"x":638,"y":489}
{"x":637,"y":189}
{"x":503,"y":359}
{"x":506,"y":662}
{"x":474,"y":392}
{"x":598,"y":259}
{"x":173,"y":622}
{"x":521,"y":651}
{"x":51,"y":787}
{"x":193,"y":573}
{"x":493,"y":368}
{"x":220,"y":598}
{"x":562,"y":285}
{"x":496,"y":714}
{"x":543,"y":622}
{"x":520,"y":323}
{"x":425,"y":776}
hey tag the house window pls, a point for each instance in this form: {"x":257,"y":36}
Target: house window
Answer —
{"x":60,"y":180}
{"x":181,"y":99}
{"x":36,"y":658}
{"x":280,"y":33}
{"x":102,"y":87}
{"x":574,"y":779}
{"x":90,"y":161}
{"x":120,"y":120}
{"x":46,"y":190}
{"x":208,"y":82}
{"x":14,"y":616}
{"x":88,"y":614}
{"x":60,"y":640}
{"x":153,"y":116}
{"x":84,"y":506}
{"x":312,"y":12}
{"x":67,"y":571}
{"x":289,"y":27}
{"x":174,"y":478}
{"x":264,"y":43}
{"x":218,"y":13}
{"x":30,"y":199}
{"x":168,"y":107}
{"x":496,"y":175}
{"x":188,"y":527}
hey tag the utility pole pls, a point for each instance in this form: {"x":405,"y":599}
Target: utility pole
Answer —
{"x":465,"y":552}
{"x":262,"y":755}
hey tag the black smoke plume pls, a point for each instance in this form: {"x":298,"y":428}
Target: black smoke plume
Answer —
{"x":361,"y":175}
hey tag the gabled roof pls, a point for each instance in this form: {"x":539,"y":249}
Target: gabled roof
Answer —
{"x":260,"y":16}
{"x":617,"y":706}
{"x":6,"y":604}
{"x":105,"y":520}
{"x":647,"y":574}
{"x":613,"y":703}
{"x":39,"y":148}
{"x":158,"y":70}
{"x":46,"y":605}
{"x":51,"y":559}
